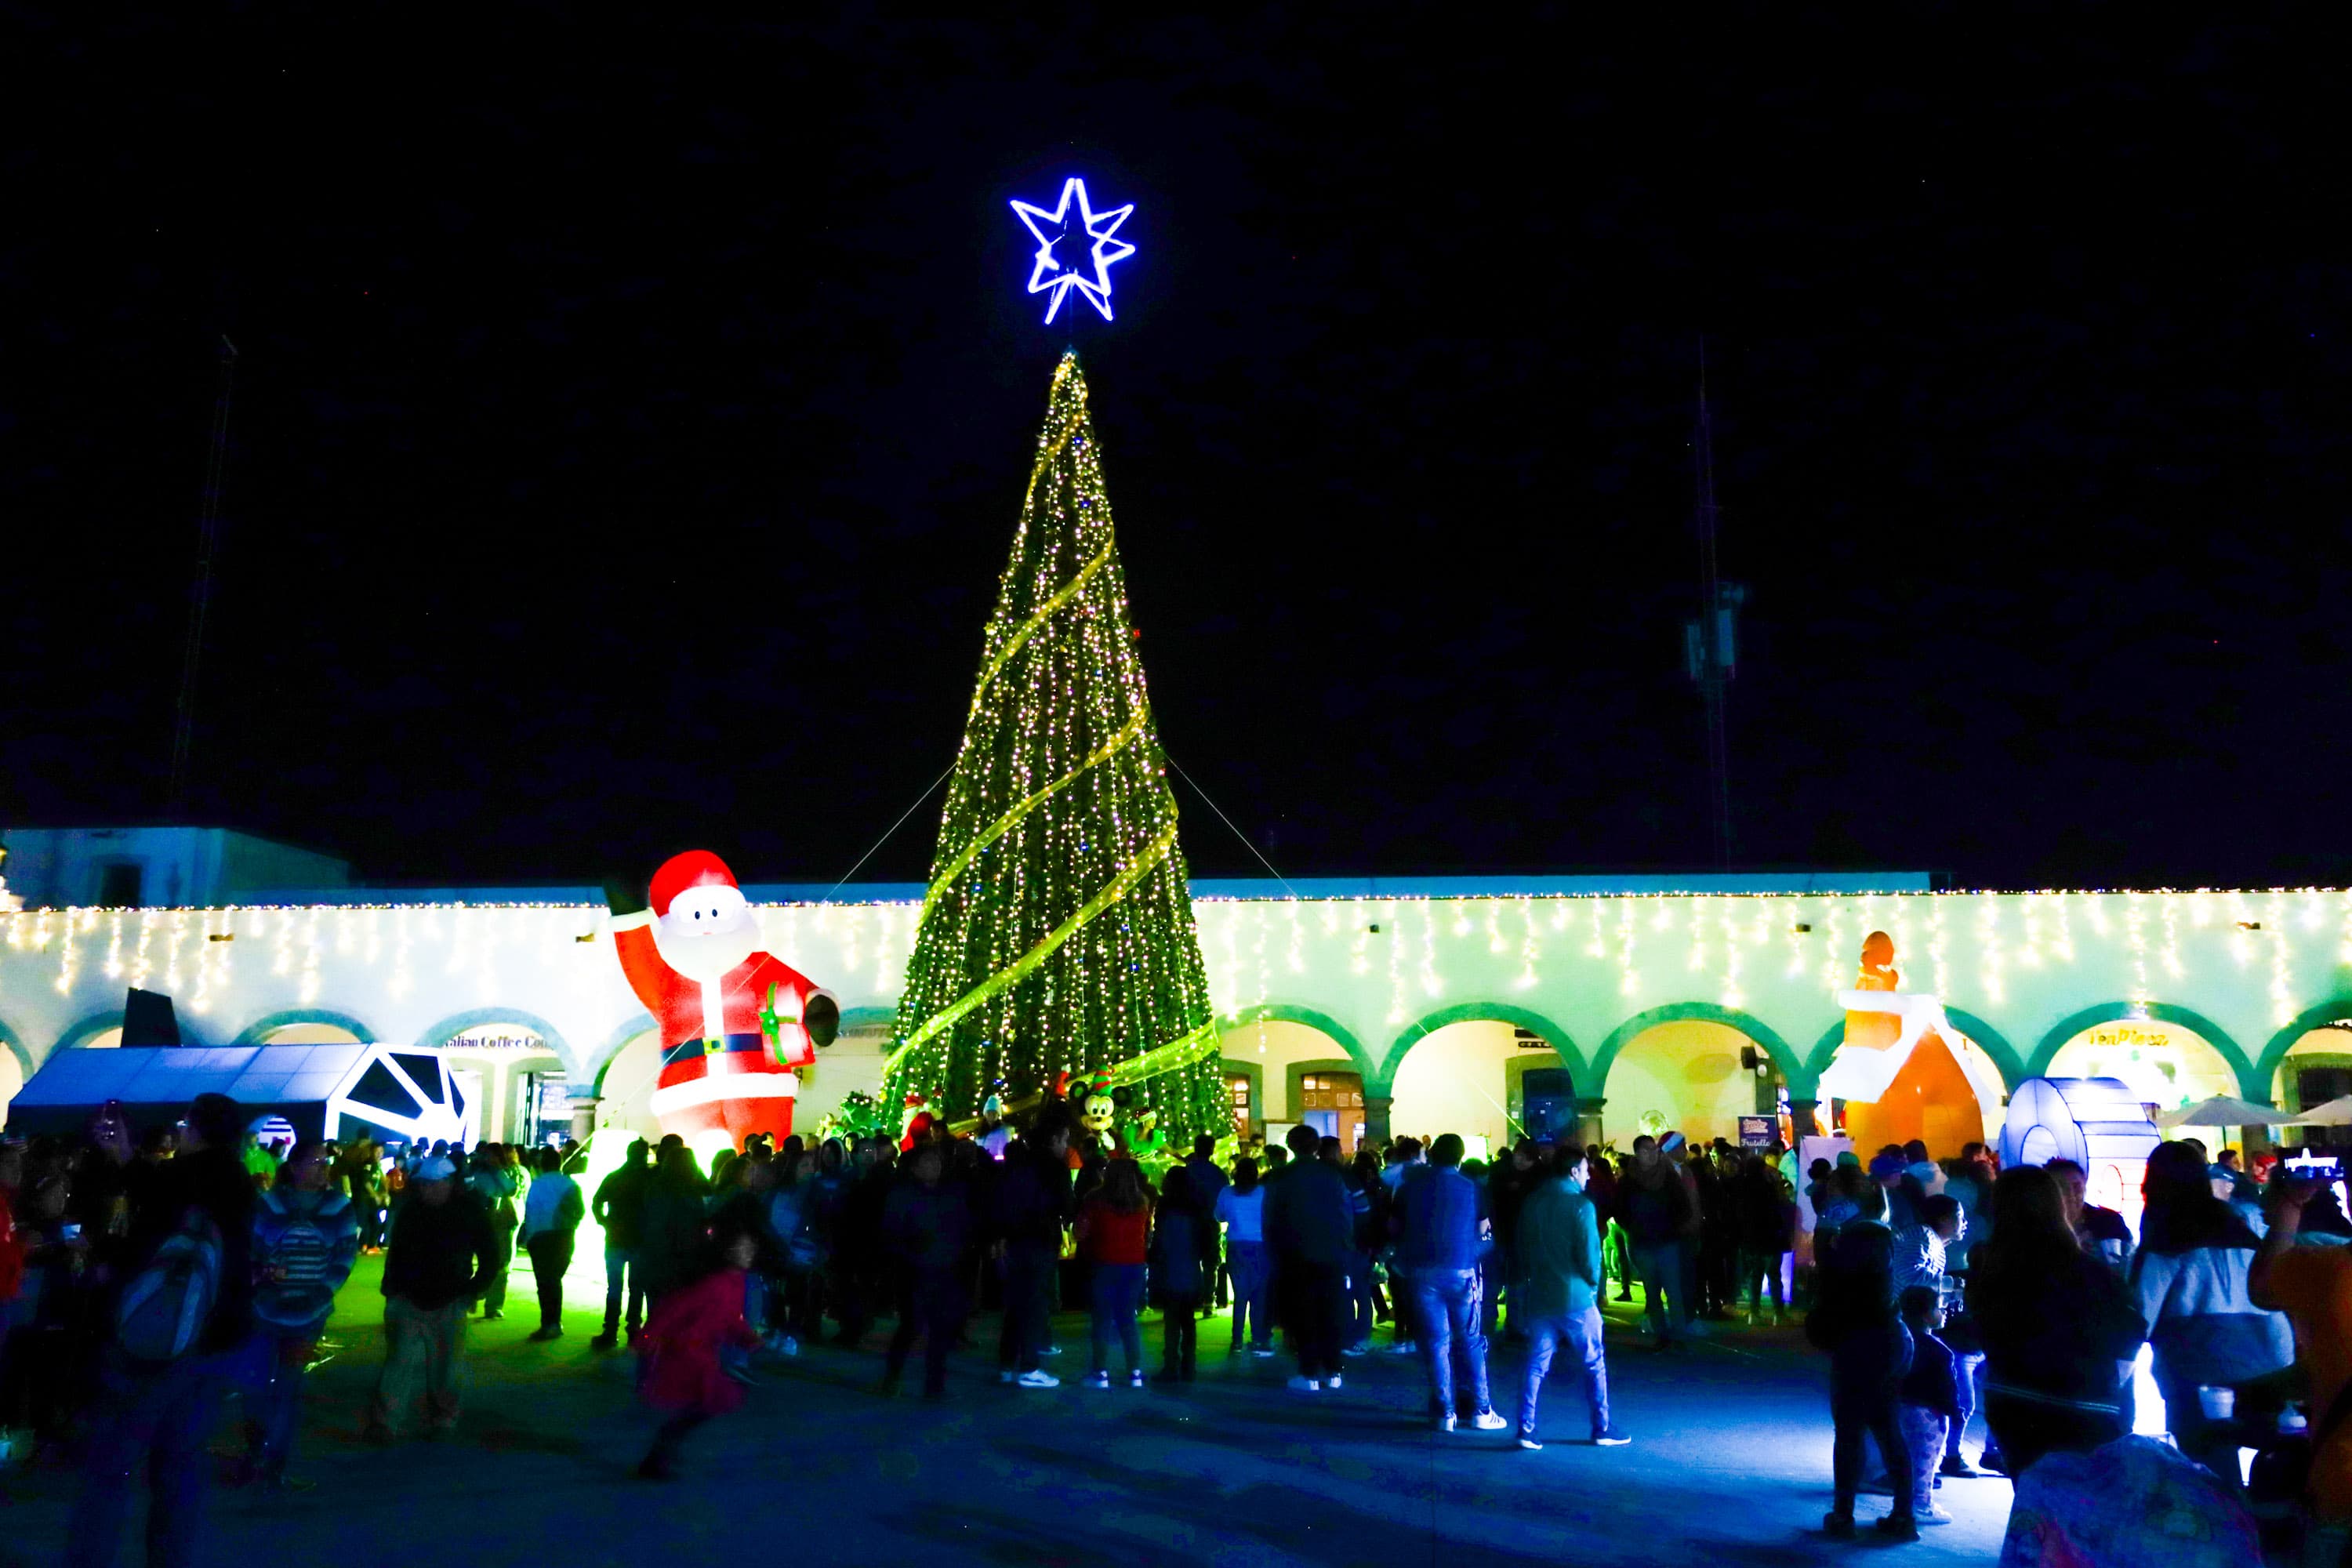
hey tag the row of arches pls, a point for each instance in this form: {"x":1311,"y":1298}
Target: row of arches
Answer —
{"x":1699,"y":1066}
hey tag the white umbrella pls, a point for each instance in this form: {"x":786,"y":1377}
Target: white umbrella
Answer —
{"x":2334,"y":1113}
{"x":2224,"y":1111}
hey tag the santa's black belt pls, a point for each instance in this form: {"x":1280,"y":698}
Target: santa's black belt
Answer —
{"x":696,"y":1049}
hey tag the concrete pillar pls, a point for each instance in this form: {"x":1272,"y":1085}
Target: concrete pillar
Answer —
{"x":1376,"y":1119}
{"x":583,"y":1114}
{"x":1588,"y":1119}
{"x":1801,"y":1117}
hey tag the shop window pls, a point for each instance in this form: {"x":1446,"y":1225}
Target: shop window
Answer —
{"x":1237,"y":1096}
{"x":1333,"y":1104}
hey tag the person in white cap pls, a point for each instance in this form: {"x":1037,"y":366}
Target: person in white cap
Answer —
{"x":438,"y":1263}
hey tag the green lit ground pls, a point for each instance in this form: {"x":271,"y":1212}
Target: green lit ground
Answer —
{"x":1730,"y":1463}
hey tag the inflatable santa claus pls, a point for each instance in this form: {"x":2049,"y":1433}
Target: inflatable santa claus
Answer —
{"x":735,"y":1021}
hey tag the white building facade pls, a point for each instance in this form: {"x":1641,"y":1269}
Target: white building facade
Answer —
{"x":1413,"y":1006}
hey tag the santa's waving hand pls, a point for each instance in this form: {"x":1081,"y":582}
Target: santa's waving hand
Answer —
{"x":735,"y":1021}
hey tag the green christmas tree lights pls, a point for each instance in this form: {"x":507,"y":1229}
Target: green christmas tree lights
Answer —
{"x":1056,"y":934}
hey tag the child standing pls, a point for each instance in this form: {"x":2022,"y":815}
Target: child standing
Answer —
{"x":1927,"y":1399}
{"x":682,"y":1340}
{"x":1113,"y":1232}
{"x":1241,"y":1209}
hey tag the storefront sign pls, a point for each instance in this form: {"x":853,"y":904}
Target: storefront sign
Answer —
{"x":1755,"y":1133}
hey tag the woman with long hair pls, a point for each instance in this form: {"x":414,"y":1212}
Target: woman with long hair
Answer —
{"x":1241,"y":1209}
{"x":2059,"y":1331}
{"x":2189,"y":1281}
{"x":1114,"y":1233}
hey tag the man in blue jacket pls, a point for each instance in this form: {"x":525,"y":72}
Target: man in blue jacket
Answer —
{"x":1560,"y":1287}
{"x":1440,"y":1234}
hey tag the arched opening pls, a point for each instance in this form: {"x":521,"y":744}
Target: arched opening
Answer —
{"x":308,"y":1033}
{"x":2315,"y":1070}
{"x":1475,"y":1077}
{"x":624,"y":1092}
{"x":513,"y":1081}
{"x":11,"y":1078}
{"x":2167,"y":1064}
{"x":1695,"y":1076}
{"x":1279,"y":1072}
{"x":104,"y":1041}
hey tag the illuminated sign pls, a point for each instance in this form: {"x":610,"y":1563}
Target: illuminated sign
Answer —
{"x":1057,"y":275}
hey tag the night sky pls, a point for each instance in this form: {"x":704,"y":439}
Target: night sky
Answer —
{"x":630,"y":425}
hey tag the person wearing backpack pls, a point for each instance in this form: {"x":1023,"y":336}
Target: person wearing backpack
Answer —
{"x":441,"y":1258}
{"x":305,"y":1236}
{"x":179,"y":1323}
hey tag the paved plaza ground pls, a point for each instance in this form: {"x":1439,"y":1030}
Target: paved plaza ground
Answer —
{"x":1730,"y":1463}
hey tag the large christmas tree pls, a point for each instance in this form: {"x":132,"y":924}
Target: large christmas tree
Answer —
{"x":1056,"y":933}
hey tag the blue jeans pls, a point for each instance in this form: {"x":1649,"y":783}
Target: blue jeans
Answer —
{"x":1359,"y":1299}
{"x":1253,"y":1283}
{"x":277,"y":1405}
{"x":1580,"y":1333}
{"x":1446,"y":1307}
{"x":154,"y":1422}
{"x":620,"y":1261}
{"x":1118,"y":1296}
{"x":1660,"y":1265}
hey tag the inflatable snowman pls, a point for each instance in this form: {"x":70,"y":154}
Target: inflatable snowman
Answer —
{"x":735,"y":1021}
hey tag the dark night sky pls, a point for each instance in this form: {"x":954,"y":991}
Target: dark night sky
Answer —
{"x":631,"y":425}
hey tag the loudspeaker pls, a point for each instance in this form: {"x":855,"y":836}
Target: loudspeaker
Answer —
{"x":148,"y":1019}
{"x":1547,"y":1099}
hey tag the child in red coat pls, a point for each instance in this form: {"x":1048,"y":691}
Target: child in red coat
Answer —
{"x":681,"y":1342}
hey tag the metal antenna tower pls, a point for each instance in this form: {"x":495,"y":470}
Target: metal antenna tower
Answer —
{"x":200,"y":596}
{"x":1710,"y":642}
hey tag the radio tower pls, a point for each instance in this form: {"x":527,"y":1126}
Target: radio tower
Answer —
{"x":200,"y":596}
{"x":1709,"y":642}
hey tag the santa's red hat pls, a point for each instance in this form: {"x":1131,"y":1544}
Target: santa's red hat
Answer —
{"x":695,"y":868}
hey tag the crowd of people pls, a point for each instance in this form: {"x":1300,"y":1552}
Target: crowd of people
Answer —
{"x":143,"y":1280}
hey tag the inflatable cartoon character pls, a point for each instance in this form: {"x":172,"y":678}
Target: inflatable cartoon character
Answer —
{"x":735,"y":1021}
{"x":916,"y":1121}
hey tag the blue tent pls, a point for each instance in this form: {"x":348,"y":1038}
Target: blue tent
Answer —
{"x":341,"y":1091}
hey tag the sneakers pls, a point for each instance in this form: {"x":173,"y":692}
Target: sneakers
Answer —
{"x":1264,"y":1351}
{"x":1531,"y":1442}
{"x":1899,"y":1527}
{"x":1933,"y":1516}
{"x":1306,"y":1385}
{"x":1838,"y":1526}
{"x":1994,"y":1463}
{"x":1361,"y":1347}
{"x":1332,"y":1381}
{"x":1038,"y":1380}
{"x":1488,"y":1421}
{"x":1135,"y":1378}
{"x":1615,"y":1436}
{"x":1403,"y":1347}
{"x":781,"y":1343}
{"x":542,"y":1335}
{"x":1097,"y":1379}
{"x":1445,"y":1422}
{"x":1049,"y":1349}
{"x":604,"y":1341}
{"x":1959,"y":1468}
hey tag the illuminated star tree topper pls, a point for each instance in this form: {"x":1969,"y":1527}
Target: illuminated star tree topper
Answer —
{"x":1090,"y":275}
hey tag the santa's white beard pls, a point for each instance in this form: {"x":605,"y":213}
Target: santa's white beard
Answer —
{"x":707,"y":954}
